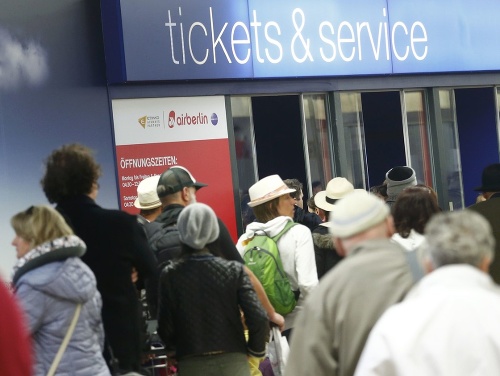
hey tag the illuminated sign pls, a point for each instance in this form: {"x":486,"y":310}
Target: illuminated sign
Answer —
{"x":176,"y":40}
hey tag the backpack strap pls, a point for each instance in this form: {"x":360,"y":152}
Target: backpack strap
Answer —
{"x":287,"y":227}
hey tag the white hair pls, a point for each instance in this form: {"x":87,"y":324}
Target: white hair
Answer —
{"x":461,"y":237}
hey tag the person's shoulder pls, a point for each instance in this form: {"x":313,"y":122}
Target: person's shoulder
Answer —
{"x":486,"y":206}
{"x":321,"y":229}
{"x":117,"y":216}
{"x":300,"y":229}
{"x":312,"y":218}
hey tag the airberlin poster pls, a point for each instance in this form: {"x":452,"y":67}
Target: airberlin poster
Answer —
{"x":154,"y":134}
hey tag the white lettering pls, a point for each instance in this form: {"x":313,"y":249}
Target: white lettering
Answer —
{"x":414,"y":40}
{"x":349,"y":39}
{"x":217,"y":41}
{"x":240,"y":41}
{"x":274,"y":42}
{"x":327,"y":41}
{"x":255,"y":24}
{"x":405,"y":29}
{"x":199,"y":24}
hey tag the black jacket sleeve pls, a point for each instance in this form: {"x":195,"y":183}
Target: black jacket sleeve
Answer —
{"x":224,"y":246}
{"x":165,"y":315}
{"x":146,"y":265}
{"x":255,"y":317}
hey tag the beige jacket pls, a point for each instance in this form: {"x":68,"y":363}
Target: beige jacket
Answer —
{"x":330,"y":332}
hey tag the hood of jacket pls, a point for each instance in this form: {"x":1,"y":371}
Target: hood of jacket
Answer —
{"x":322,"y":238}
{"x":59,"y":273}
{"x":271,"y":228}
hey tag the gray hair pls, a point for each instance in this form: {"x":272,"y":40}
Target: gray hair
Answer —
{"x":461,"y":237}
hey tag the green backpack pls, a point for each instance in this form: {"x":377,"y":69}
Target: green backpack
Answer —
{"x":262,"y":257}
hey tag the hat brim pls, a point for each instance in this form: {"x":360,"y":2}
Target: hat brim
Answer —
{"x":138,"y":205}
{"x":263,"y":200}
{"x":198,"y":185}
{"x":320,"y":201}
{"x":487,"y":188}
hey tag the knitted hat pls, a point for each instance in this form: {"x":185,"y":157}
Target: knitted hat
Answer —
{"x":335,"y":190}
{"x":174,"y":179}
{"x":198,"y":225}
{"x":357,"y":212}
{"x":399,"y":178}
{"x":147,"y":198}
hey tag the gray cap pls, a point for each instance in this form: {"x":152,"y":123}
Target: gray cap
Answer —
{"x":399,"y":178}
{"x":198,"y":225}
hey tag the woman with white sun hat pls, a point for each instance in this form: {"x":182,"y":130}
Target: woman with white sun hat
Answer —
{"x":273,"y":208}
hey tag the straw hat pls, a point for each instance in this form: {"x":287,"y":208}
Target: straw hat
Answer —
{"x":335,"y":190}
{"x":267,"y":189}
{"x":147,"y":198}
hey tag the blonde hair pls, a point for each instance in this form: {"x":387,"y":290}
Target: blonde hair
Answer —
{"x":40,"y":224}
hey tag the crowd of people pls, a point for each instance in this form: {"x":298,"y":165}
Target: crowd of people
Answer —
{"x":384,"y":282}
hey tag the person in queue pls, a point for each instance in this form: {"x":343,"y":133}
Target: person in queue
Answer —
{"x":332,"y":329}
{"x":54,"y":287}
{"x":273,"y":207}
{"x":116,"y":245}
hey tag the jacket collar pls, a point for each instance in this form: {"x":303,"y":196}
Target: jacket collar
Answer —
{"x":55,"y":250}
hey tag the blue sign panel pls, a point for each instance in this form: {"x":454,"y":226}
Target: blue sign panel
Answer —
{"x":228,"y":39}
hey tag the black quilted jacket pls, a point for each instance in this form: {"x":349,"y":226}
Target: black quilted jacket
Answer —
{"x":199,"y":310}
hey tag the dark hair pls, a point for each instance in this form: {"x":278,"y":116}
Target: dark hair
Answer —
{"x":413,"y":209}
{"x":379,"y":189}
{"x":311,"y":204}
{"x":294,"y":184}
{"x":316,"y":183}
{"x":70,"y":171}
{"x":267,"y":211}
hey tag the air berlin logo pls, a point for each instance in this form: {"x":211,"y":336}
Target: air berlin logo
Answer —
{"x":171,"y":119}
{"x":186,"y":119}
{"x":214,"y":119}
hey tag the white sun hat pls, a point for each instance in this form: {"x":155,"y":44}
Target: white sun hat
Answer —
{"x":147,"y":198}
{"x":335,"y":190}
{"x":266,"y":189}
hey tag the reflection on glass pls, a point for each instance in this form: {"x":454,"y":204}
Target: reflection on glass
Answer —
{"x":241,"y":108}
{"x":417,"y":140}
{"x":318,"y":150}
{"x":352,"y":120}
{"x":450,"y":139}
{"x":498,"y":114}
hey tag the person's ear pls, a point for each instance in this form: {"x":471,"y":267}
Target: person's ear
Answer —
{"x":390,"y":226}
{"x":185,"y":194}
{"x":428,"y":266}
{"x":339,"y":247}
{"x":484,"y":264}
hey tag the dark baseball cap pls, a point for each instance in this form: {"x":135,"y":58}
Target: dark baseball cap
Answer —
{"x":174,"y":179}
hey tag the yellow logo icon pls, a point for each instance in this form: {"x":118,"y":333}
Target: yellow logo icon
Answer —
{"x":142,"y":121}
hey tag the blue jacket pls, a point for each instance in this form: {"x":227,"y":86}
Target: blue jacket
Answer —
{"x":49,"y":294}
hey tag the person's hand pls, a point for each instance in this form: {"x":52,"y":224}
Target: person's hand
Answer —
{"x":135,"y":275}
{"x":171,"y":360}
{"x":277,"y":320}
